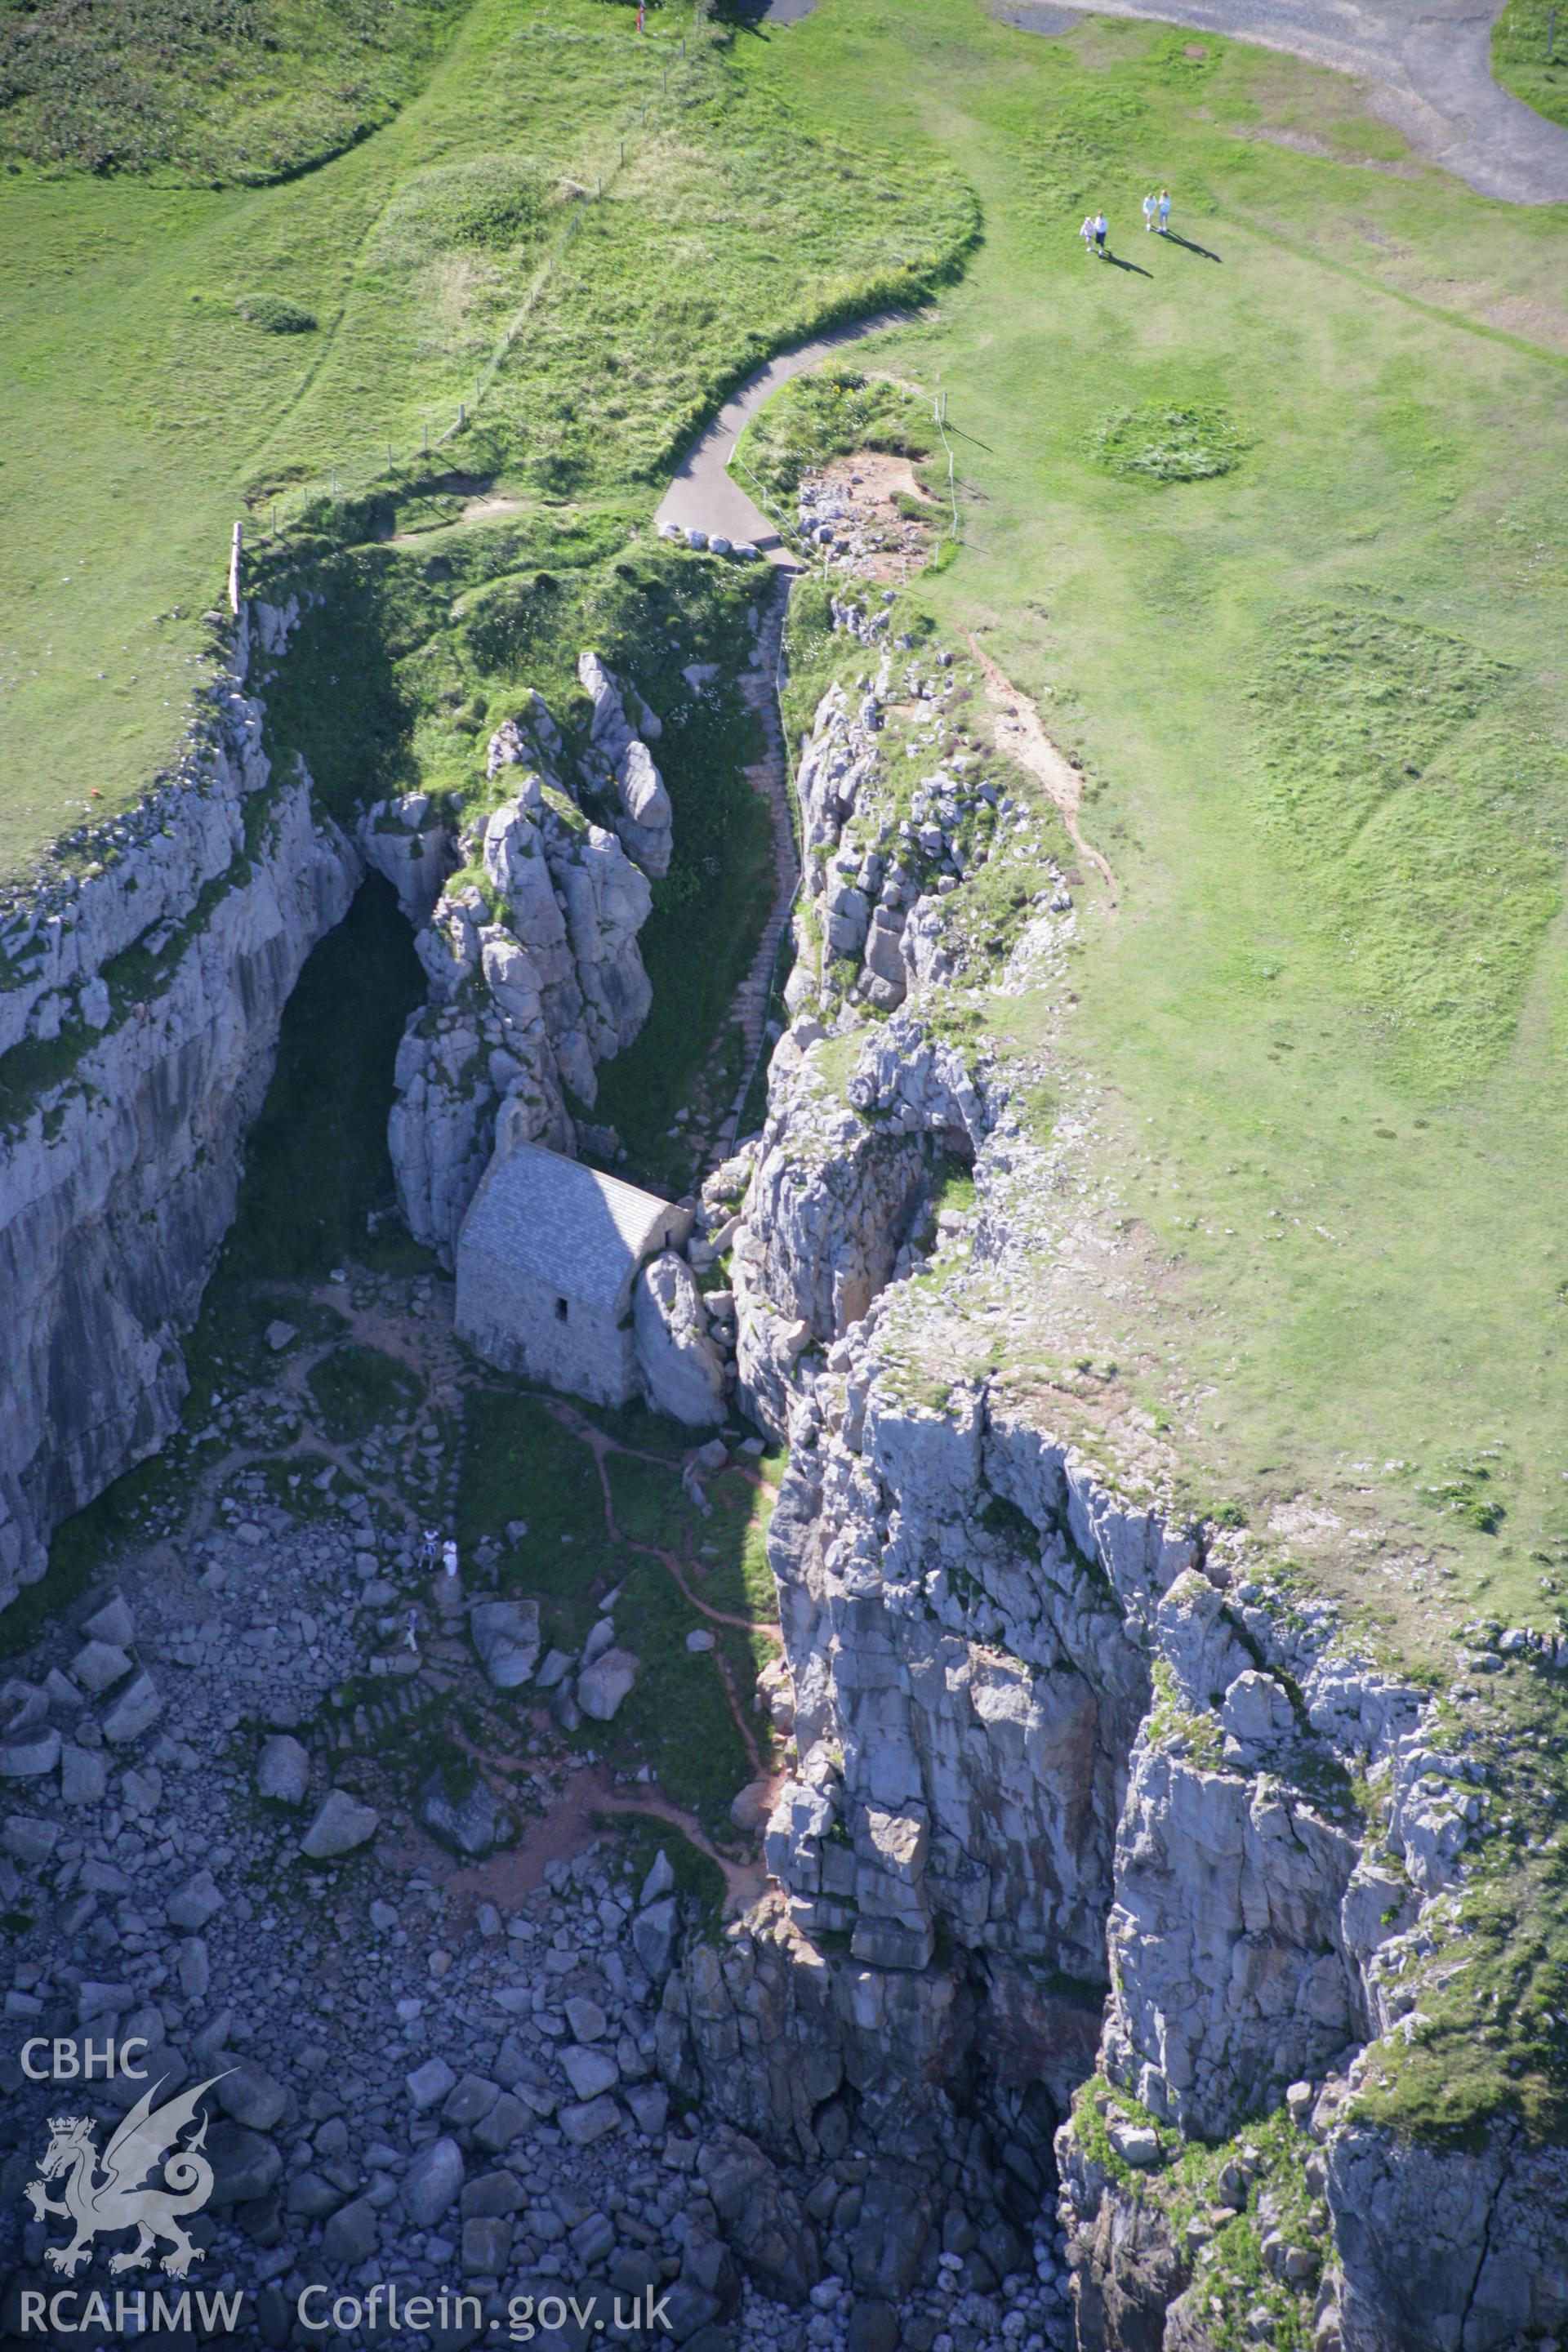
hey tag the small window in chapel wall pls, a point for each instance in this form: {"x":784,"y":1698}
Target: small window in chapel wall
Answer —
{"x":561,"y":1310}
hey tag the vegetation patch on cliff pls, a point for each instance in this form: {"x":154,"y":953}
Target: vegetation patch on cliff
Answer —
{"x":638,"y":1549}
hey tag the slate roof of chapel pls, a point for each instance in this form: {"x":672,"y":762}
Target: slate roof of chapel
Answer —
{"x":563,"y":1224}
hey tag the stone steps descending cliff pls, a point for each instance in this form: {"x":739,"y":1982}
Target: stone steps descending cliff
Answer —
{"x":770,"y":777}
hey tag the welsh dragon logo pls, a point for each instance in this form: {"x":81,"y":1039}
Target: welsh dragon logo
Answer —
{"x":108,"y":2193}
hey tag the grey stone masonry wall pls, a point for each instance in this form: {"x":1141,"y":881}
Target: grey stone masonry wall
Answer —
{"x":546,"y":1263}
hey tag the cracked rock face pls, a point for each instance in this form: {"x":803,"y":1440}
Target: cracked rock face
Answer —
{"x":682,"y":1370}
{"x":525,"y":1003}
{"x":118,"y":1185}
{"x":1048,"y":1738}
{"x":646,"y":820}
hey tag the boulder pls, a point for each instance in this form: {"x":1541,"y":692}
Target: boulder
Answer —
{"x":193,"y":1904}
{"x":84,"y":1776}
{"x":487,"y":2245}
{"x":682,"y":1370}
{"x":249,"y":2097}
{"x":653,"y":1934}
{"x":353,"y":2234}
{"x":601,"y":1687}
{"x":31,"y":1841}
{"x":97,"y":1665}
{"x":431,"y":2184}
{"x":585,"y":2121}
{"x":283,"y":1770}
{"x":341,"y":1823}
{"x":429,"y":2085}
{"x":30,"y":1756}
{"x":506,"y":1638}
{"x":245,"y":2164}
{"x":589,"y":2070}
{"x":135,"y":1710}
{"x":113,"y":1622}
{"x":470,"y":1820}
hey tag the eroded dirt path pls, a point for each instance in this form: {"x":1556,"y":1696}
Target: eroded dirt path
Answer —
{"x":511,"y":1874}
{"x":1020,"y":734}
{"x":602,"y":1447}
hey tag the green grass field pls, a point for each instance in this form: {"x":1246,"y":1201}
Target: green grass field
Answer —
{"x":1320,"y":697}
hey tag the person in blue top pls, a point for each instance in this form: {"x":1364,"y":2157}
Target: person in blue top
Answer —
{"x":1149,"y":208}
{"x":1101,"y":229}
{"x":1164,"y":212}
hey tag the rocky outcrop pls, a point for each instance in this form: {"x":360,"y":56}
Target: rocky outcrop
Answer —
{"x":620,"y":758}
{"x":535,"y":977}
{"x":1072,"y":1801}
{"x":142,"y":1019}
{"x":409,"y":840}
{"x":682,"y":1370}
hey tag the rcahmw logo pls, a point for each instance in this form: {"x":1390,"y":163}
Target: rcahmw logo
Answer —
{"x":107,"y":2193}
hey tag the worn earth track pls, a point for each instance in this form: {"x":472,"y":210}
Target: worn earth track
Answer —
{"x":1020,"y":734}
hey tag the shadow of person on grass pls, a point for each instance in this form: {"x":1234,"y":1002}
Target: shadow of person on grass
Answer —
{"x":1188,"y":246}
{"x":1117,"y":262}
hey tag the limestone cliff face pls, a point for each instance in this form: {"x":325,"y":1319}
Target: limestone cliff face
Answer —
{"x":1070,"y":1798}
{"x":140,"y":1007}
{"x":536,"y":977}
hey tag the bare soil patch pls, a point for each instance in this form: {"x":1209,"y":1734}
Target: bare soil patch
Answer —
{"x":867,"y":489}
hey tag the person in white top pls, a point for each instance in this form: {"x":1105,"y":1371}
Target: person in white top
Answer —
{"x":1087,"y":232}
{"x":1150,"y":204}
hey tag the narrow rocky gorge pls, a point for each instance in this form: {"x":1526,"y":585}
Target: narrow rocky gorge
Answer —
{"x":1102,"y":1860}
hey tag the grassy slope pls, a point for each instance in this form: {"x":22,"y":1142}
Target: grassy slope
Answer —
{"x":1331,"y":1015}
{"x":1519,"y":57}
{"x":139,"y":407}
{"x":207,"y":91}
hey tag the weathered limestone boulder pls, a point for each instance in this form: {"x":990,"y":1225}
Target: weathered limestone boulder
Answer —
{"x":409,"y":840}
{"x":283,"y":1770}
{"x":605,"y":1682}
{"x":469,"y":1818}
{"x":341,"y":1824}
{"x":506,"y":1637}
{"x":682,"y":1370}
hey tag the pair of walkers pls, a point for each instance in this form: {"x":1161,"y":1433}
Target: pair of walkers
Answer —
{"x":1096,"y":229}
